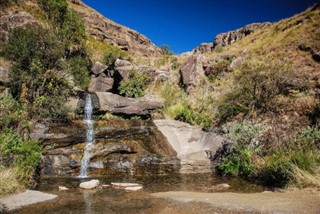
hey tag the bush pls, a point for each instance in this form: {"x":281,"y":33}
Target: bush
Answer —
{"x":240,"y":159}
{"x":79,"y":68}
{"x":254,"y":88}
{"x":11,"y":112}
{"x":26,"y":154}
{"x":9,"y":182}
{"x":134,"y":85}
{"x":35,"y":75}
{"x":112,"y":53}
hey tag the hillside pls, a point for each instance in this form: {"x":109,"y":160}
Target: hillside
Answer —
{"x":257,"y":86}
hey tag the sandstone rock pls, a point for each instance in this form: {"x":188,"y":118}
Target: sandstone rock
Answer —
{"x":237,"y":62}
{"x":117,"y":104}
{"x":203,"y":48}
{"x":194,"y":147}
{"x":136,"y":188}
{"x":193,"y":69}
{"x":14,"y":20}
{"x":38,"y":131}
{"x":98,"y":68}
{"x":102,"y":83}
{"x":63,"y":188}
{"x":220,"y":187}
{"x":122,"y":69}
{"x":231,"y":37}
{"x":4,"y":75}
{"x":89,"y":184}
{"x":108,"y":31}
{"x":123,"y":185}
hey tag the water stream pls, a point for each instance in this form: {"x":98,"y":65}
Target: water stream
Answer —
{"x":89,"y":138}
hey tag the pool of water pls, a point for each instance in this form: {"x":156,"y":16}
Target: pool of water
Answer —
{"x":110,"y":200}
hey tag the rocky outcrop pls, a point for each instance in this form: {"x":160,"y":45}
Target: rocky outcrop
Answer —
{"x":194,"y":147}
{"x":203,"y":48}
{"x":4,"y":74}
{"x":230,"y":37}
{"x":106,"y":30}
{"x":192,"y":69}
{"x":117,"y":104}
{"x":14,"y":19}
{"x":121,"y":147}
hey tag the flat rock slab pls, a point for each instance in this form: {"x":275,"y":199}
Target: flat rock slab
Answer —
{"x":293,"y":202}
{"x":26,"y":198}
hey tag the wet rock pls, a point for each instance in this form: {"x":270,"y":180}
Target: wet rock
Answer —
{"x":127,"y":186}
{"x":220,"y":187}
{"x":63,"y":188}
{"x":117,"y":104}
{"x":194,"y":147}
{"x":89,"y":184}
{"x":121,"y":147}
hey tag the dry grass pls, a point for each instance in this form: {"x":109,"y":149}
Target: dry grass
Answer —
{"x":9,"y":181}
{"x":303,"y":178}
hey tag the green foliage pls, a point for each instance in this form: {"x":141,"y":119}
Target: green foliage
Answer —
{"x":26,"y":154}
{"x":55,"y":10}
{"x":11,"y":112}
{"x":134,"y":85}
{"x":278,"y":170}
{"x":254,"y":88}
{"x":35,"y":74}
{"x":79,"y":68}
{"x":112,"y":53}
{"x":239,"y":160}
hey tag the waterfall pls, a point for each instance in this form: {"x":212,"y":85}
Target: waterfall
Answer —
{"x":89,"y":137}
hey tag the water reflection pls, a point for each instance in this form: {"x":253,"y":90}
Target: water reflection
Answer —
{"x":87,"y":202}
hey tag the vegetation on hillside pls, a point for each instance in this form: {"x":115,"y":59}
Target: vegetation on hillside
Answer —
{"x":47,"y":63}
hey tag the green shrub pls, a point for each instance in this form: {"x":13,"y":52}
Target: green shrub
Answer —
{"x":112,"y":53}
{"x":134,"y":85}
{"x":79,"y":68}
{"x":36,"y":77}
{"x":26,"y":154}
{"x":239,"y":160}
{"x":11,"y":112}
{"x":55,"y":10}
{"x":278,"y":170}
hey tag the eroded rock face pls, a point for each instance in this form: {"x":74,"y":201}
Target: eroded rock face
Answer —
{"x":4,"y":75}
{"x":230,"y":37}
{"x":121,"y":147}
{"x":193,"y":69}
{"x":117,"y":104}
{"x":194,"y":147}
{"x":106,"y":30}
{"x":11,"y":20}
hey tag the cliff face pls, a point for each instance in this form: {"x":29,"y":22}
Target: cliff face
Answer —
{"x":103,"y":29}
{"x":230,"y":37}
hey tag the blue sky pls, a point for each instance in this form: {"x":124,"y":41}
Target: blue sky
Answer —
{"x":184,"y":24}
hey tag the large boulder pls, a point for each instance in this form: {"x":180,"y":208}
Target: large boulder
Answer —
{"x":102,"y":83}
{"x":117,"y":104}
{"x":11,"y":20}
{"x":203,"y":48}
{"x":4,"y":75}
{"x":193,"y":69}
{"x":98,"y":68}
{"x":194,"y":147}
{"x":89,"y":184}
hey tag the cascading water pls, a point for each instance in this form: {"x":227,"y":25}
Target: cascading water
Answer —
{"x":89,"y":137}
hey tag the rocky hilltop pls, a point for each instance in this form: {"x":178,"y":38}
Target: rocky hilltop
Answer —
{"x":103,"y":29}
{"x":230,"y":37}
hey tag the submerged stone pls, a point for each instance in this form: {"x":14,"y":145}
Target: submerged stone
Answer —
{"x":89,"y":184}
